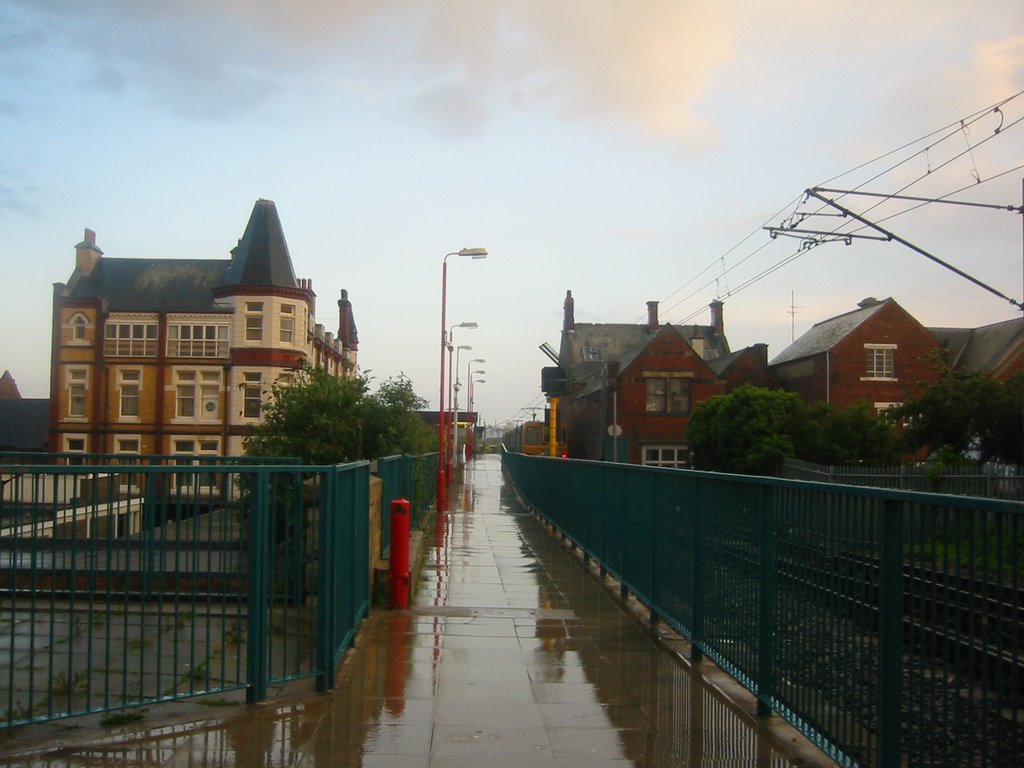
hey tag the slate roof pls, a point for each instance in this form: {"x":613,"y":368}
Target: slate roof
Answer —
{"x":984,"y":349}
{"x":825,"y":335}
{"x":24,"y":424}
{"x":261,"y":257}
{"x":619,"y":343}
{"x":187,"y":285}
{"x":152,"y":285}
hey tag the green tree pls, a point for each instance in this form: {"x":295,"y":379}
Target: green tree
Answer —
{"x":856,"y":435}
{"x":750,"y":430}
{"x":315,"y":417}
{"x":322,"y":419}
{"x":392,"y":423}
{"x":966,"y":413}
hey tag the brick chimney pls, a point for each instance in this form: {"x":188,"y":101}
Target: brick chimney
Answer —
{"x":87,"y":255}
{"x":697,"y":342}
{"x":569,"y":319}
{"x":717,"y":321}
{"x":347,"y":333}
{"x":652,"y":315}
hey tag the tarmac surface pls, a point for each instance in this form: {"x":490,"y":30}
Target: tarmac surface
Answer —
{"x":513,"y":653}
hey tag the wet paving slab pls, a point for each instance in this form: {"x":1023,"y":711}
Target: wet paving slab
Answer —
{"x":511,"y":654}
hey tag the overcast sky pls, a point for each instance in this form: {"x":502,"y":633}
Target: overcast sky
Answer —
{"x":628,"y":151}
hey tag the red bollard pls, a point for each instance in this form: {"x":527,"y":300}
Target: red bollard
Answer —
{"x":398,"y":565}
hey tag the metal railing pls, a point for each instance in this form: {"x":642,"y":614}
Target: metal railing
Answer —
{"x":129,"y":585}
{"x":406,"y":477}
{"x":987,"y":480}
{"x":886,"y":626}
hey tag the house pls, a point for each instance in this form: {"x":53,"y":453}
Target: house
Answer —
{"x":176,"y":356}
{"x":23,"y":421}
{"x":996,"y":349}
{"x":877,"y":353}
{"x":632,"y":387}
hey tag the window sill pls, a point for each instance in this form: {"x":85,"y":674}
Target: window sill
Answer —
{"x":879,"y":378}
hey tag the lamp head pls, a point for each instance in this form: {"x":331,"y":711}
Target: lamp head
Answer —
{"x":474,"y":253}
{"x":467,"y":325}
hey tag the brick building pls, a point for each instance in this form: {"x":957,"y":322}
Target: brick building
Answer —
{"x":878,"y":354}
{"x":645,"y":378}
{"x":175,"y":356}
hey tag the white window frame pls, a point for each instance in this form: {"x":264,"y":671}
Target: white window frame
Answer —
{"x":197,"y":395}
{"x":253,"y":320}
{"x":252,"y":394}
{"x":69,"y":440}
{"x":127,"y":378}
{"x":197,"y":339}
{"x":287,"y":328}
{"x":78,"y":393}
{"x":78,"y":323}
{"x":208,"y":445}
{"x":130,"y":337}
{"x":675,"y":456}
{"x":886,"y":371}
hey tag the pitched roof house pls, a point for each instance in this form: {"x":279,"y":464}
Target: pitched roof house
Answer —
{"x":644,"y":378}
{"x":175,"y":356}
{"x":877,"y":353}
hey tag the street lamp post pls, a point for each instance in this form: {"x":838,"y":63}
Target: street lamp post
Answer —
{"x":453,"y":399}
{"x":472,"y":384}
{"x":442,"y":496}
{"x":469,"y":404}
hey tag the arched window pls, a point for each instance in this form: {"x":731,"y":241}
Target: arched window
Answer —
{"x":79,"y":323}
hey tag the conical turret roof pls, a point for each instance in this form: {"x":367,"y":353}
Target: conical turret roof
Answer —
{"x":261,"y":257}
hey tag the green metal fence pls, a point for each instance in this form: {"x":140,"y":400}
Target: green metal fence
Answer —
{"x":886,"y":626}
{"x":128,"y":585}
{"x":406,"y":477}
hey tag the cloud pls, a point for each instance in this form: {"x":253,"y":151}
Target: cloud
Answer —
{"x":1000,"y":66}
{"x":653,"y":69}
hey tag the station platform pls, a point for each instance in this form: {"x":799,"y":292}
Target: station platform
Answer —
{"x":513,"y":653}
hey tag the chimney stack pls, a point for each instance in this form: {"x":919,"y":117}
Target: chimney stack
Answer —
{"x":569,"y":320}
{"x":717,"y":321}
{"x":87,"y":255}
{"x":652,"y":315}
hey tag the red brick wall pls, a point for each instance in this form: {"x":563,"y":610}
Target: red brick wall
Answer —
{"x":667,"y":352}
{"x":890,"y":325}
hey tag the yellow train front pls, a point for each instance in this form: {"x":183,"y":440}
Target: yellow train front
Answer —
{"x":536,"y":437}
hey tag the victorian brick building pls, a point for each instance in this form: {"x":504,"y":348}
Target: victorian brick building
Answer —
{"x":632,"y":387}
{"x":176,"y":356}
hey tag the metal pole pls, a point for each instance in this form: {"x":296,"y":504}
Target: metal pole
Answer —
{"x":441,"y":477}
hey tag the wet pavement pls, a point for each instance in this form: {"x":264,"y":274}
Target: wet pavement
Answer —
{"x":512,"y":654}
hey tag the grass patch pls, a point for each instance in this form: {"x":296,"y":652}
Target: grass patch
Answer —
{"x":123,"y":717}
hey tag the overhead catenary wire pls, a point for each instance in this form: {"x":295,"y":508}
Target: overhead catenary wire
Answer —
{"x":946,"y":133}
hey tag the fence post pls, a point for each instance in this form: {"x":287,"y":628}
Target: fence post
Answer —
{"x":327,"y":567}
{"x":890,"y":633}
{"x":259,"y":586}
{"x":766,"y":503}
{"x":697,"y":630}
